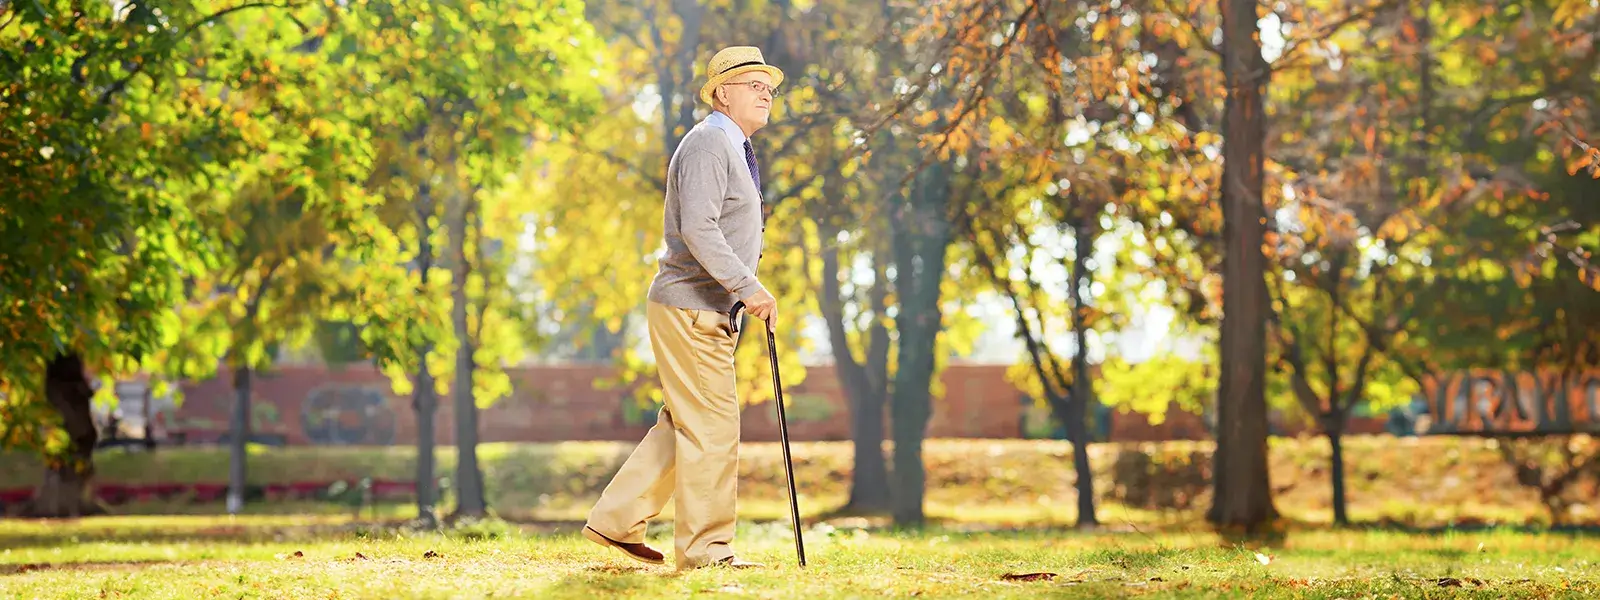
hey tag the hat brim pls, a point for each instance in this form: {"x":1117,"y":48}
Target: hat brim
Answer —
{"x":711,"y":84}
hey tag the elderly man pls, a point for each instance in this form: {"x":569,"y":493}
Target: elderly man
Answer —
{"x":714,"y":225}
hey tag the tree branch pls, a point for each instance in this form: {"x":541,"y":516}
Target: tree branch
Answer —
{"x":1188,"y":23}
{"x":971,"y":103}
{"x":1579,"y":256}
{"x":659,"y":183}
{"x":1057,"y":391}
{"x":14,"y":12}
{"x":121,"y":84}
{"x":832,"y":304}
{"x":1300,"y":375}
{"x":921,"y":87}
{"x":1353,"y":395}
{"x":1330,"y":360}
{"x":1328,"y":31}
{"x":800,"y":185}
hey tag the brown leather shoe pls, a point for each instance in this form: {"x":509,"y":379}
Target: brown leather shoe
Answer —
{"x":639,"y":552}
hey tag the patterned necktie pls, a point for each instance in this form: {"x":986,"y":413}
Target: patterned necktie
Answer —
{"x":750,"y":161}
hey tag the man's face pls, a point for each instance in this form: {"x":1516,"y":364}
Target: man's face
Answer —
{"x":749,"y":99}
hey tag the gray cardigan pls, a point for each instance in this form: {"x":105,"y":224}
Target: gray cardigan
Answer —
{"x":713,"y":225}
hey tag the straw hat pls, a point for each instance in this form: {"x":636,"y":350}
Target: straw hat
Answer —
{"x":732,"y":61}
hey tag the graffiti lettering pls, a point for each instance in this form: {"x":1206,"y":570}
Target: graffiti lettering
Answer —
{"x":1505,"y":402}
{"x":348,"y":415}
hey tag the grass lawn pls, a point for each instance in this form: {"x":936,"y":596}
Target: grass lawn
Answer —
{"x":1425,"y":482}
{"x":330,"y":556}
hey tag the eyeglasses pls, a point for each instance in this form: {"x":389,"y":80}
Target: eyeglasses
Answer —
{"x":759,"y":87}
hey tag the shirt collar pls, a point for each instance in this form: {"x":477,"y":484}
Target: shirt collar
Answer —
{"x":726,"y":124}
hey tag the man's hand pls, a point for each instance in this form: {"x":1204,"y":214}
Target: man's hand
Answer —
{"x":762,"y":305}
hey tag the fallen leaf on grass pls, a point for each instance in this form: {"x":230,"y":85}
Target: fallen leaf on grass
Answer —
{"x":1028,"y":576}
{"x":431,"y":554}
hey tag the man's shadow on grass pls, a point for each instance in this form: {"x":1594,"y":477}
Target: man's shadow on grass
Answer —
{"x":607,"y":577}
{"x":113,"y":565}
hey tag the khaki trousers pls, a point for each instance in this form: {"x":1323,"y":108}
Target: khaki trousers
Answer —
{"x":692,"y":453}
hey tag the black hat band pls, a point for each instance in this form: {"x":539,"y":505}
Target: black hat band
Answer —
{"x":744,"y":64}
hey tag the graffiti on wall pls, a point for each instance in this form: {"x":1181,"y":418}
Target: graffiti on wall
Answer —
{"x":339,"y":415}
{"x":1506,"y":402}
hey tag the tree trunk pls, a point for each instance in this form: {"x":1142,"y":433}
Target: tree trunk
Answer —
{"x":603,"y":343}
{"x":239,"y":438}
{"x":911,"y":409}
{"x":426,"y":404}
{"x":470,"y":500}
{"x":1336,"y":444}
{"x":921,"y":237}
{"x":675,"y":70}
{"x":876,"y":492}
{"x":425,"y":398}
{"x":864,"y":387}
{"x":1078,"y":434}
{"x":1242,"y":496}
{"x":1082,"y":386}
{"x":149,"y":417}
{"x":64,"y":492}
{"x":869,"y":480}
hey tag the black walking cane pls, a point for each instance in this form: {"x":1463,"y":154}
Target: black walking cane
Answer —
{"x":783,"y":429}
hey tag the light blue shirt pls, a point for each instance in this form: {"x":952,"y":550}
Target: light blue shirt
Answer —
{"x":726,"y":124}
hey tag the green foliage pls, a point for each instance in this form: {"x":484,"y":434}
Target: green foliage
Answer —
{"x":203,"y":181}
{"x":454,"y":93}
{"x":126,"y":127}
{"x":1161,"y":383}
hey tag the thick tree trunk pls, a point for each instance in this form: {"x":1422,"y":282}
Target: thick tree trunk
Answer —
{"x":426,"y":404}
{"x":864,"y":387}
{"x":1242,"y":496}
{"x":64,"y":492}
{"x":1336,"y":445}
{"x":1082,"y":386}
{"x":425,"y":399}
{"x":470,"y":500}
{"x":1078,"y":434}
{"x":239,"y":438}
{"x":875,"y":493}
{"x":911,"y":408}
{"x":922,"y":236}
{"x":869,"y":480}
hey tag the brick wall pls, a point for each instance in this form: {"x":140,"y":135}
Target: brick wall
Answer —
{"x":302,"y":405}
